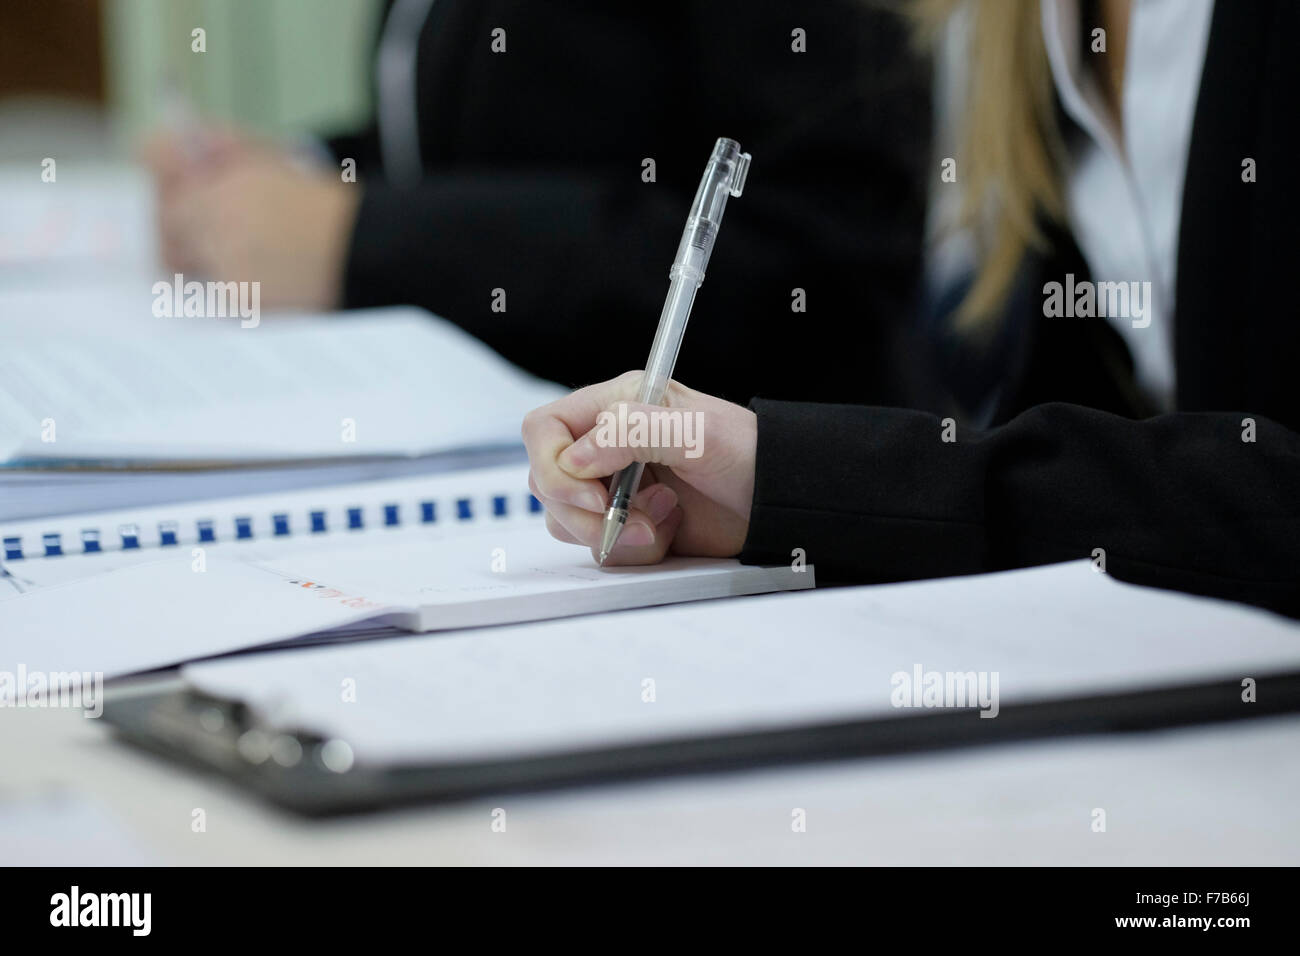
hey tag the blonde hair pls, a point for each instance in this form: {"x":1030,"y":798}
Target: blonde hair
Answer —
{"x":1010,"y":153}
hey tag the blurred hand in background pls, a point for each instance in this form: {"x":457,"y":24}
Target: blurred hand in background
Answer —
{"x":232,"y":208}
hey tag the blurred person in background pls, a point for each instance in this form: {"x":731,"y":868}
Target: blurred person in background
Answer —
{"x":551,"y":151}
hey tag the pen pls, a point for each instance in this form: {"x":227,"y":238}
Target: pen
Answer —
{"x":723,"y":177}
{"x":179,"y":115}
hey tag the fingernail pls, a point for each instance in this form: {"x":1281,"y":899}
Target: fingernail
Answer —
{"x":661,"y":504}
{"x":591,"y":501}
{"x":578,"y":455}
{"x":637,"y":534}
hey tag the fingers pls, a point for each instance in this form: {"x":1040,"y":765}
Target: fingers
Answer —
{"x":544,"y":439}
{"x":558,"y":531}
{"x":580,"y":410}
{"x":649,"y":507}
{"x":567,"y":477}
{"x":188,"y":234}
{"x":624,"y":555}
{"x":548,"y":430}
{"x":165,"y":157}
{"x":628,"y":432}
{"x":173,"y":155}
{"x":645,"y":538}
{"x":161,"y":152}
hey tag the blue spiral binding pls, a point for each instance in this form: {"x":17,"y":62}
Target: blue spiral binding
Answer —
{"x":206,"y":528}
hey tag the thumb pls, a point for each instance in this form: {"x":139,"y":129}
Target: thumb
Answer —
{"x":628,"y":432}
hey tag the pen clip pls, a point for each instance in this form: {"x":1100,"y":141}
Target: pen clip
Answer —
{"x":739,"y":174}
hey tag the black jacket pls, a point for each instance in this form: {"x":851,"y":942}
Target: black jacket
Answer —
{"x":533,"y":184}
{"x":1073,"y":461}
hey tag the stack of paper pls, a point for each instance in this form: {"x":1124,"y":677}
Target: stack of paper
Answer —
{"x":998,"y":640}
{"x":453,"y":551}
{"x":387,"y":382}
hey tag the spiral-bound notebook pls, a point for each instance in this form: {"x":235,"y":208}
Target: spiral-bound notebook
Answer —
{"x":254,"y":526}
{"x":132,"y":590}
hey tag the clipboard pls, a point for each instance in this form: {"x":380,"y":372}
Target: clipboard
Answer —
{"x":302,"y":771}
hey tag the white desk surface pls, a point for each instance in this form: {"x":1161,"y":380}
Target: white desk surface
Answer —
{"x":1220,"y":795}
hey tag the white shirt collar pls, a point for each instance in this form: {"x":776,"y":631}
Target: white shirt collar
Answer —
{"x":1124,"y":190}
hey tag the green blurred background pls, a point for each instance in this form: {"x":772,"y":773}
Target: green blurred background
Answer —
{"x":90,"y":74}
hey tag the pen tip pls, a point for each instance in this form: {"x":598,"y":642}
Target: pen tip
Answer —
{"x":604,"y":555}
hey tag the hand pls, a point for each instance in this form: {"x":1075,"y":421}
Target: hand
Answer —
{"x":249,"y":213}
{"x":176,"y":158}
{"x":692,"y":500}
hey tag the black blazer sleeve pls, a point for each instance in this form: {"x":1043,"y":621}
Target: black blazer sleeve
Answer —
{"x":1177,"y":501}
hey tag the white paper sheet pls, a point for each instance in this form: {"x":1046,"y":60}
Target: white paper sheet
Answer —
{"x":91,"y":214}
{"x":383,"y":382}
{"x":158,"y":607}
{"x":499,"y":574}
{"x":163,"y":613}
{"x":751,"y":663}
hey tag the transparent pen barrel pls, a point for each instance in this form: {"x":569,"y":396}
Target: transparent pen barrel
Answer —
{"x":668,"y":340}
{"x":723,"y":177}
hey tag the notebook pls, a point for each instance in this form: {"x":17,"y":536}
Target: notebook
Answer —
{"x":199,"y":392}
{"x":837,"y":672}
{"x":26,"y":494}
{"x":128,"y":591}
{"x":97,"y":215}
